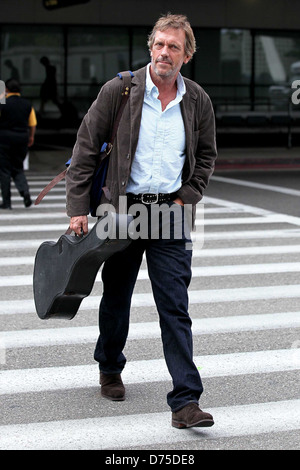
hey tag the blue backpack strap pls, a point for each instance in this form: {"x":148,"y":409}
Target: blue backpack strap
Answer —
{"x":121,"y":76}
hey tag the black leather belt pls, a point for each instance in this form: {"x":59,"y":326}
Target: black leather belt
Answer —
{"x":151,"y":198}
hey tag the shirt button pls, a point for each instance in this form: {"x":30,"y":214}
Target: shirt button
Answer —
{"x":123,"y":183}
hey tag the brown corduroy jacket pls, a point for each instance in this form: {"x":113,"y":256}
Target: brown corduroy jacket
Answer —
{"x":201,"y":153}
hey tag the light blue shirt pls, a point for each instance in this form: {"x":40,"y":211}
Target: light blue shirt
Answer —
{"x":160,"y":154}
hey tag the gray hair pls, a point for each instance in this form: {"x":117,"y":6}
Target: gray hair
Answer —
{"x":178,"y":22}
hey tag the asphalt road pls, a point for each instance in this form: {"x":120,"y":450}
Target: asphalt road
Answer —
{"x":244,"y":303}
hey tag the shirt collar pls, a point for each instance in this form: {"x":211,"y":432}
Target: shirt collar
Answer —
{"x":181,"y":88}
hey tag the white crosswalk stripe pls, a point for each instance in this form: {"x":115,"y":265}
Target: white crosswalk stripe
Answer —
{"x":239,"y":294}
{"x":100,"y":433}
{"x":155,"y":370}
{"x":224,"y":277}
{"x":202,"y":253}
{"x":233,"y":270}
{"x":147,"y":330}
{"x":228,"y":235}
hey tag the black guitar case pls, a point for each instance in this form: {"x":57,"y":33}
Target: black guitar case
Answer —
{"x":65,"y":271}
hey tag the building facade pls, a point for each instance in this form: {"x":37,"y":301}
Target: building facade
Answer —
{"x":248,"y":51}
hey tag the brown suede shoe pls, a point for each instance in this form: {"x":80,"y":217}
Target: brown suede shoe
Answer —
{"x":191,"y":416}
{"x":112,"y":387}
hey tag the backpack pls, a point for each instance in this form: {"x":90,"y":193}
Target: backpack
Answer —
{"x":99,"y":176}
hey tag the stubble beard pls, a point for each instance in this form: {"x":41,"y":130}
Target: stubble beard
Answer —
{"x":163,"y":73}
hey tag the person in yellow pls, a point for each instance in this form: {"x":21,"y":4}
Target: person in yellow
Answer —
{"x":17,"y":130}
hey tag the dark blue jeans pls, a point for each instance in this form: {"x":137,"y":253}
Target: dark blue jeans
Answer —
{"x":169,"y":267}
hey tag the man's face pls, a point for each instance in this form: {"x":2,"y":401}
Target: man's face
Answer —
{"x":168,"y":52}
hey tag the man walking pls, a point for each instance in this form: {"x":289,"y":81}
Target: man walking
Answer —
{"x":17,"y":131}
{"x":164,"y":153}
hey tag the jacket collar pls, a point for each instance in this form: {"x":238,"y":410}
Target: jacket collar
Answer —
{"x":140,"y":77}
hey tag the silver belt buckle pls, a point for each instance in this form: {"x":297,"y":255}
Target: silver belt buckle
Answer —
{"x":152,"y":201}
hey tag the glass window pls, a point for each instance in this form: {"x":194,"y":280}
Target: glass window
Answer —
{"x":95,"y":55}
{"x":27,"y":69}
{"x":241,"y":70}
{"x":140,"y":53}
{"x":22,"y":48}
{"x":223,"y":66}
{"x":277,"y":65}
{"x":85,"y":68}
